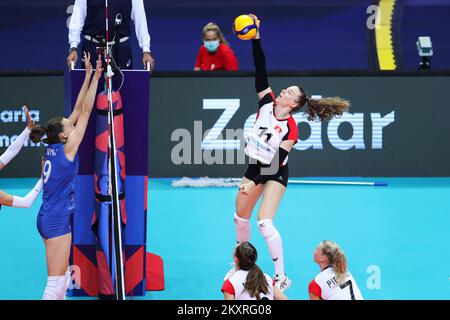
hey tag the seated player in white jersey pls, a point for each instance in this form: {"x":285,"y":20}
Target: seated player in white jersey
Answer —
{"x":334,"y":282}
{"x":268,"y":145}
{"x":248,"y":282}
{"x":12,"y":151}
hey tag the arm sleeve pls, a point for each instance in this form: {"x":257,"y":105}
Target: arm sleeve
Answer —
{"x":281,"y":154}
{"x":228,"y":288}
{"x":77,"y":22}
{"x":15,"y":147}
{"x":293,"y":131}
{"x":268,"y":98}
{"x":261,"y":82}
{"x":140,"y":23}
{"x":315,"y":289}
{"x":28,"y":200}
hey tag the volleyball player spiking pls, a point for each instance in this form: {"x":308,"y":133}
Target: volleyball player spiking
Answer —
{"x":268,"y":144}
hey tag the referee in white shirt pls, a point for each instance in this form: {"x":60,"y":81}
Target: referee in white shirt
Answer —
{"x":88,"y":22}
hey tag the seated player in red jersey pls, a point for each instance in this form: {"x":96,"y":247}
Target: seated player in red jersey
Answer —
{"x":247,"y":281}
{"x":334,"y":282}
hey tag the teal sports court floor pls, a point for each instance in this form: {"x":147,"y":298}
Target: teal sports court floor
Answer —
{"x":396,"y":238}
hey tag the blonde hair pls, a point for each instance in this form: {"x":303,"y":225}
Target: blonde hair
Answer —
{"x":336,"y":259}
{"x":211,"y":26}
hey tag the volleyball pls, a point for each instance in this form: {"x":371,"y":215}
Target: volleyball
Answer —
{"x":244,"y":27}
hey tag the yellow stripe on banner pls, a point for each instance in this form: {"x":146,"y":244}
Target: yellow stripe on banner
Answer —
{"x":383,"y":35}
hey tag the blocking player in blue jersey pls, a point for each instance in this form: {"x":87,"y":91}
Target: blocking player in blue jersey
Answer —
{"x":60,"y":167}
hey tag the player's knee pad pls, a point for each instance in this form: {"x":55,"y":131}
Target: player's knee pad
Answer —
{"x":242,"y":229}
{"x":54,"y":288}
{"x":241,"y":223}
{"x":268,"y":230}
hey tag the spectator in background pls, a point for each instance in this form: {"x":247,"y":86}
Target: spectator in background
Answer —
{"x":215,"y":53}
{"x":88,"y":19}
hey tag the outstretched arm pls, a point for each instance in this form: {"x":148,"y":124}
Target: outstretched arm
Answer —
{"x":28,"y":200}
{"x":75,"y":138}
{"x":73,"y":118}
{"x":261,"y":82}
{"x":21,"y":202}
{"x":15,"y":147}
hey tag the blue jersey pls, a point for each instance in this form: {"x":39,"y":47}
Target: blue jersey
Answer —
{"x":59,"y":175}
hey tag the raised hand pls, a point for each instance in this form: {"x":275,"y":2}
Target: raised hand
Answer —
{"x":30,"y":121}
{"x":98,"y":70}
{"x":87,"y":62}
{"x":257,"y":23}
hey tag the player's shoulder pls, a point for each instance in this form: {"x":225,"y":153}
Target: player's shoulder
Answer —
{"x":53,"y":149}
{"x":268,"y":278}
{"x":292,"y":130}
{"x":323,"y":276}
{"x":350,"y":275}
{"x":237,"y":275}
{"x":225,"y":48}
{"x":292,"y":124}
{"x":268,"y":101}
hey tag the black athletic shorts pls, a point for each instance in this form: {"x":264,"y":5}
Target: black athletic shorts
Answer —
{"x":281,"y":176}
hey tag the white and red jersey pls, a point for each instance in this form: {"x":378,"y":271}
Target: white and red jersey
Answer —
{"x":267,"y":133}
{"x":235,"y":285}
{"x":326,"y":287}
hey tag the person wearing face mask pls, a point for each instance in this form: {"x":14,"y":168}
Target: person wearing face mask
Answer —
{"x":215,"y":53}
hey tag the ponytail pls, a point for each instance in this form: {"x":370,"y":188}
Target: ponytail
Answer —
{"x":326,"y":108}
{"x":53,"y":128}
{"x":336,"y":259}
{"x":37,"y":133}
{"x":256,"y":282}
{"x":322,"y":109}
{"x":340,"y":267}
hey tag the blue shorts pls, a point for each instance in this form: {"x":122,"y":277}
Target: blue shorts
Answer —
{"x":52,"y":226}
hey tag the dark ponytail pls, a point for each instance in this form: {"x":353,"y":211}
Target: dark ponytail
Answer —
{"x":256,"y":282}
{"x":37,"y":133}
{"x":53,"y":128}
{"x":322,"y":109}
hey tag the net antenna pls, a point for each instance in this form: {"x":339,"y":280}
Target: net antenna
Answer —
{"x":118,"y":266}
